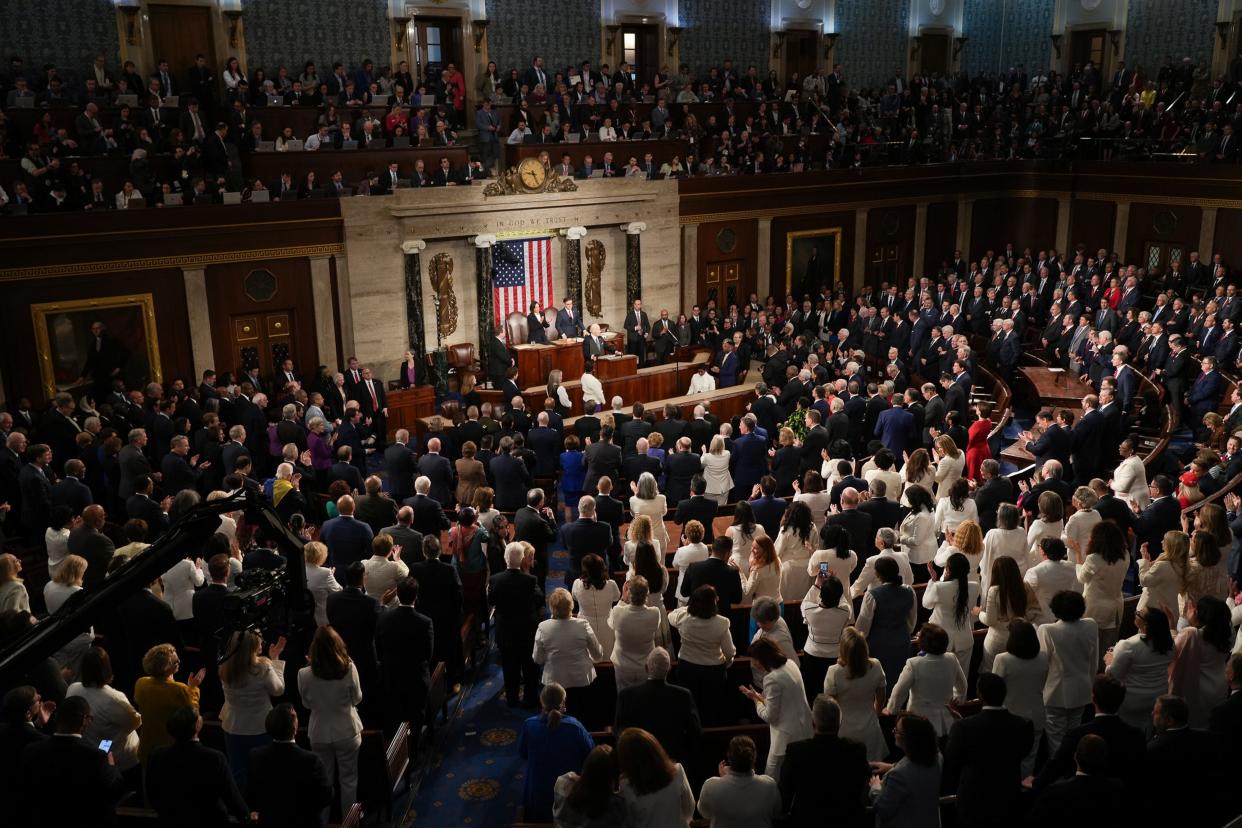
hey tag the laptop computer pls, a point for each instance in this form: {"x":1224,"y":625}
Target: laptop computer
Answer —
{"x":174,"y":200}
{"x":531,"y":138}
{"x":401,"y":143}
{"x":265,"y":146}
{"x":127,"y":100}
{"x":275,"y":100}
{"x":231,"y":198}
{"x":349,"y":145}
{"x":573,"y":138}
{"x":648,"y":99}
{"x":172,"y":102}
{"x":24,"y":102}
{"x":380,"y":100}
{"x":260,"y":196}
{"x":597,"y":173}
{"x":295,"y":145}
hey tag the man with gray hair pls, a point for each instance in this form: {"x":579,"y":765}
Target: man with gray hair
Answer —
{"x":886,"y":544}
{"x":517,"y":600}
{"x":825,"y":768}
{"x":664,"y":710}
{"x":429,"y":517}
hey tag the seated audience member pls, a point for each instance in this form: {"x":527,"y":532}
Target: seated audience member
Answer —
{"x":912,"y":786}
{"x":213,"y":799}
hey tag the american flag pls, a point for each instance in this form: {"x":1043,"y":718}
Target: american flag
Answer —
{"x":523,"y":274}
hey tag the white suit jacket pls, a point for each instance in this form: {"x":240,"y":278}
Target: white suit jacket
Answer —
{"x":784,"y":707}
{"x":1073,"y":652}
{"x":568,"y":649}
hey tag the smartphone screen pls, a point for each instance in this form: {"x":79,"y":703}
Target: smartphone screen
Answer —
{"x":823,"y":569}
{"x":105,"y":745}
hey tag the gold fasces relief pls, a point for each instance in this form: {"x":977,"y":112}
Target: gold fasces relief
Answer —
{"x":440,"y":272}
{"x":596,"y":256}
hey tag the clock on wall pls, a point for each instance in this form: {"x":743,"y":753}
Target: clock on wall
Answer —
{"x":936,"y":6}
{"x":804,"y":4}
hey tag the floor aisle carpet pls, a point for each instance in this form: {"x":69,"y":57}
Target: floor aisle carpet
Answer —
{"x":475,"y":776}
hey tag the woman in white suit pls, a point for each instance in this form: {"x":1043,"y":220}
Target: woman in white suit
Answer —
{"x":1141,"y":663}
{"x":909,"y":795}
{"x":1024,"y":667}
{"x":180,"y":581}
{"x":648,"y":501}
{"x":331,"y":691}
{"x":782,"y":704}
{"x":950,"y":461}
{"x":634,"y":627}
{"x":568,"y":649}
{"x":950,"y":600}
{"x":1101,"y":569}
{"x":930,"y":681}
{"x":320,"y":580}
{"x":715,"y":464}
{"x":1130,"y":477}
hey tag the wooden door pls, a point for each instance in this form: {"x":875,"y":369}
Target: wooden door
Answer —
{"x":262,"y":340}
{"x":801,"y":53}
{"x":640,"y":49}
{"x":727,"y":282}
{"x":178,"y":34}
{"x":1088,"y":45}
{"x":934,"y":53}
{"x":437,"y":43}
{"x":1157,"y":256}
{"x":885,"y":264}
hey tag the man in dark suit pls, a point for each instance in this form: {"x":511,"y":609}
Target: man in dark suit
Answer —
{"x":884,"y":513}
{"x":825,"y":768}
{"x":698,"y":507}
{"x":632,"y":430}
{"x":23,"y":719}
{"x":374,"y":406}
{"x":140,"y":506}
{"x":88,"y":541}
{"x":1162,"y":515}
{"x":633,"y":467}
{"x":405,"y":643}
{"x":536,"y":524}
{"x":672,"y":428}
{"x":1090,"y":797}
{"x":439,"y":471}
{"x":895,"y":427}
{"x":180,"y":473}
{"x":954,"y":396}
{"x":768,"y":509}
{"x":287,"y":785}
{"x":637,"y":330}
{"x":603,"y":459}
{"x":213,"y":799}
{"x":700,"y":430}
{"x":857,"y":525}
{"x":45,"y":764}
{"x":440,"y":599}
{"x":511,"y":477}
{"x":375,"y":508}
{"x":1179,"y":755}
{"x":429,"y":517}
{"x":813,"y":444}
{"x":994,"y":491}
{"x":584,"y":536}
{"x":347,"y":538}
{"x":36,"y":492}
{"x":664,"y":710}
{"x":1053,"y":444}
{"x":545,"y":442}
{"x":933,"y":413}
{"x":715,"y":572}
{"x":1126,"y":744}
{"x":594,"y":345}
{"x":399,"y":462}
{"x":515,"y":597}
{"x":569,"y":320}
{"x":748,"y":458}
{"x":1205,"y":392}
{"x":70,"y":491}
{"x":355,"y":615}
{"x":344,"y":469}
{"x":983,"y":757}
{"x":499,"y":361}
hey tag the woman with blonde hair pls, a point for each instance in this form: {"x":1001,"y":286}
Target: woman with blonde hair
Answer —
{"x":1208,"y":573}
{"x":13,"y":595}
{"x":648,"y":501}
{"x":764,"y":572}
{"x":857,"y":683}
{"x":642,"y":530}
{"x":917,"y":471}
{"x":1188,"y":491}
{"x":967,"y":540}
{"x":331,"y":690}
{"x":694,"y":549}
{"x":1164,"y":579}
{"x":634,"y":623}
{"x":320,"y":580}
{"x":551,"y":743}
{"x":1049,"y":524}
{"x":950,"y":463}
{"x":568,"y":648}
{"x":66,"y":581}
{"x":715,"y":464}
{"x":157,"y":695}
{"x":249,"y":681}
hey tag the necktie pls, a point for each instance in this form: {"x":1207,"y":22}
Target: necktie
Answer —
{"x":374,"y":401}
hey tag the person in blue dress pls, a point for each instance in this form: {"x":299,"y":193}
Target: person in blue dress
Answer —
{"x":552,"y":744}
{"x":573,"y":474}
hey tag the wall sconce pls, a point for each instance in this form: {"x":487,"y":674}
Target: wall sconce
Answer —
{"x":674,"y":35}
{"x":1222,"y":31}
{"x":959,"y":43}
{"x":830,"y":43}
{"x":400,"y":25}
{"x":234,"y":17}
{"x":611,"y":40}
{"x":131,"y":24}
{"x":479,"y":28}
{"x":779,"y":44}
{"x":1114,"y":40}
{"x":1056,"y":43}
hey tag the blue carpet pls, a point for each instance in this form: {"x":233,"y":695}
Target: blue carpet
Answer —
{"x":474,"y":775}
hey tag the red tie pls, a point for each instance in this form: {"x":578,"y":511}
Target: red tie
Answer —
{"x":374,"y":401}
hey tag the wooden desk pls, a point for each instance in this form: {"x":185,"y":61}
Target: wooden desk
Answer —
{"x":661,"y":151}
{"x":1056,"y":389}
{"x":616,"y":366}
{"x":725,"y":403}
{"x":652,"y":383}
{"x":407,"y":405}
{"x":535,"y":362}
{"x":353,"y":164}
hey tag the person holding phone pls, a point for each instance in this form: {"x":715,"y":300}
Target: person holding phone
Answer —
{"x":114,"y":722}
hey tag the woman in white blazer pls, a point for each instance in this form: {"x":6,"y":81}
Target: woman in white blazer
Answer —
{"x":320,"y":580}
{"x":1007,"y":540}
{"x":794,"y":547}
{"x":634,"y":627}
{"x":647,"y":500}
{"x":568,"y":649}
{"x":815,"y":495}
{"x":1053,"y":574}
{"x":917,"y":532}
{"x":929,"y":682}
{"x":1141,"y":662}
{"x":715,"y":462}
{"x":1024,"y":667}
{"x":112,"y":714}
{"x":917,"y":471}
{"x":1164,"y":579}
{"x":1078,"y":526}
{"x":826,"y":609}
{"x":643,"y":530}
{"x":1101,"y":569}
{"x":595,"y":594}
{"x":956,"y":507}
{"x":950,"y":600}
{"x":331,"y":690}
{"x":966,"y":540}
{"x":950,"y":462}
{"x":1130,"y":477}
{"x":249,"y":682}
{"x":1072,"y":645}
{"x":180,"y":581}
{"x":782,"y":704}
{"x":835,"y":551}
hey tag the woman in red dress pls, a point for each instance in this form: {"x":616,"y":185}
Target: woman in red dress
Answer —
{"x":977,"y":449}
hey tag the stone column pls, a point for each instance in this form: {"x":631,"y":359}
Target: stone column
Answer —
{"x":483,"y":273}
{"x":200,"y":319}
{"x":965,"y":210}
{"x":573,"y":264}
{"x":689,"y":265}
{"x":1121,"y":229}
{"x":763,"y":267}
{"x":1207,"y":234}
{"x":920,"y":238}
{"x":1063,"y":225}
{"x":633,"y":261}
{"x":415,"y":330}
{"x":859,"y":273}
{"x":325,"y":317}
{"x":345,"y":301}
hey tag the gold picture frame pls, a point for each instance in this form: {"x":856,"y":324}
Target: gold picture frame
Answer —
{"x":63,"y":339}
{"x":791,"y":248}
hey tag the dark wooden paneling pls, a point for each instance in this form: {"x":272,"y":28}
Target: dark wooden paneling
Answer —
{"x":940,"y":239}
{"x":1161,"y":223}
{"x":1228,"y":239}
{"x":1092,"y":223}
{"x":226,"y":297}
{"x":622,"y":151}
{"x":890,"y":244}
{"x":1026,"y":222}
{"x":19,"y":363}
{"x":782,"y":226}
{"x":745,"y":251}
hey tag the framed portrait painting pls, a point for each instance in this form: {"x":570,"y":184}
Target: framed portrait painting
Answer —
{"x":812,"y":259}
{"x":85,"y":344}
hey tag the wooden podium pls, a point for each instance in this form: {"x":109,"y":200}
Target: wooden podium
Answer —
{"x":406,"y":405}
{"x":613,"y":367}
{"x":1056,"y":388}
{"x":535,"y":362}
